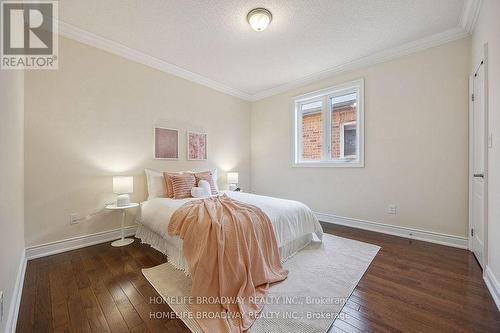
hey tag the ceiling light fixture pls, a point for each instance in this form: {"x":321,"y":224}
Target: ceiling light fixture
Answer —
{"x":259,"y":18}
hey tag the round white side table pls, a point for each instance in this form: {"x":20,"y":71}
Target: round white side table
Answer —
{"x":123,"y":241}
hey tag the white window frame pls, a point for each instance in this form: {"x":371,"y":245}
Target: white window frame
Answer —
{"x":342,"y":141}
{"x":326,"y":96}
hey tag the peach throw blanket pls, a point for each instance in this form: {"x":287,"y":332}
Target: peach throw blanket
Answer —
{"x":233,"y":257}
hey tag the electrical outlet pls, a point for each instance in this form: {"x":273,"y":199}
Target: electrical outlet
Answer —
{"x":73,"y":218}
{"x":1,"y":305}
{"x":391,"y":209}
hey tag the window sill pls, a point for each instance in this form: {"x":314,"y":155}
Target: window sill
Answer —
{"x":340,"y":164}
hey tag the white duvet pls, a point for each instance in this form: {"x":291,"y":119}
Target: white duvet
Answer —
{"x":293,"y":222}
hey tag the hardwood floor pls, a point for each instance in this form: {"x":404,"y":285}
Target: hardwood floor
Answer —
{"x":411,"y":286}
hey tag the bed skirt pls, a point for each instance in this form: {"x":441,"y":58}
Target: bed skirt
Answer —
{"x":175,"y":255}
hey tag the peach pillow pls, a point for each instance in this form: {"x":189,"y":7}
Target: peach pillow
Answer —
{"x":168,"y":183}
{"x":182,"y":184}
{"x":207,"y":175}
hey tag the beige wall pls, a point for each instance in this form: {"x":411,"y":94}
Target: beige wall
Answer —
{"x":93,"y":118}
{"x":11,"y":185}
{"x":488,"y":31}
{"x":415,"y":143}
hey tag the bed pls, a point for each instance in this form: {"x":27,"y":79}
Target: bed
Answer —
{"x":294,"y":224}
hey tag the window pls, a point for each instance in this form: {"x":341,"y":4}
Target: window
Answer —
{"x":348,"y":140}
{"x":312,"y":130}
{"x":329,"y":127}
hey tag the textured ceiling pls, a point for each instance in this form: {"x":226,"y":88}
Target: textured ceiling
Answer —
{"x":212,"y":38}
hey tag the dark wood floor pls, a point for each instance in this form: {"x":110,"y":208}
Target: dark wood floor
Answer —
{"x":409,"y":287}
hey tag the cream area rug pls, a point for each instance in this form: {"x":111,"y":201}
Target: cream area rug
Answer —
{"x":321,"y":278}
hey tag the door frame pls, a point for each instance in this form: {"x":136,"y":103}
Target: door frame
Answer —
{"x":484,"y":63}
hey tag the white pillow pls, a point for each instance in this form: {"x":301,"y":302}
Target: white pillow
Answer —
{"x":215,"y":177}
{"x":203,"y":184}
{"x":156,"y":184}
{"x":200,"y":192}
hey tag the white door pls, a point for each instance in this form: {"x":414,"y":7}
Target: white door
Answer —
{"x":479,"y":163}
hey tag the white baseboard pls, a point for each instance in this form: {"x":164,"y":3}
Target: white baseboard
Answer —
{"x":426,"y":236}
{"x":15,"y":302}
{"x":493,"y":285}
{"x":47,"y":249}
{"x":64,"y":245}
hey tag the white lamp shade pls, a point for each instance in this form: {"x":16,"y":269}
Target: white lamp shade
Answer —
{"x":123,"y":184}
{"x":232,"y":177}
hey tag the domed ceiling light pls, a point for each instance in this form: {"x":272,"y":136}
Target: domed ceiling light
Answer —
{"x":259,"y":18}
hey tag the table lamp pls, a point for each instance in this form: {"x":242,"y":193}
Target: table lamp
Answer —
{"x":123,"y":185}
{"x":232,"y":180}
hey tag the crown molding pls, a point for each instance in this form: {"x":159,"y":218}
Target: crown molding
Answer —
{"x":86,"y":37}
{"x":383,"y":56}
{"x":468,"y":18}
{"x":470,"y":12}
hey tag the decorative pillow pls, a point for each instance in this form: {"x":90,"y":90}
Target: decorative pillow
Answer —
{"x":215,"y":177}
{"x":156,"y":184}
{"x":182,"y":184}
{"x":168,"y":183}
{"x":200,"y":192}
{"x":207,"y":176}
{"x":203,"y":184}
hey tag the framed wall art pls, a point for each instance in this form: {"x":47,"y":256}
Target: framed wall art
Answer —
{"x":166,"y":143}
{"x":196,"y":146}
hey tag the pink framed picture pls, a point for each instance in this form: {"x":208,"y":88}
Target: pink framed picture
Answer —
{"x":197,"y":146}
{"x":166,"y":143}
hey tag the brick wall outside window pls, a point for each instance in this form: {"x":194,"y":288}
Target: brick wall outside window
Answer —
{"x":312,"y":132}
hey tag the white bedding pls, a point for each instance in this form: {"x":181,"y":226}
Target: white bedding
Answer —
{"x":293,"y":223}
